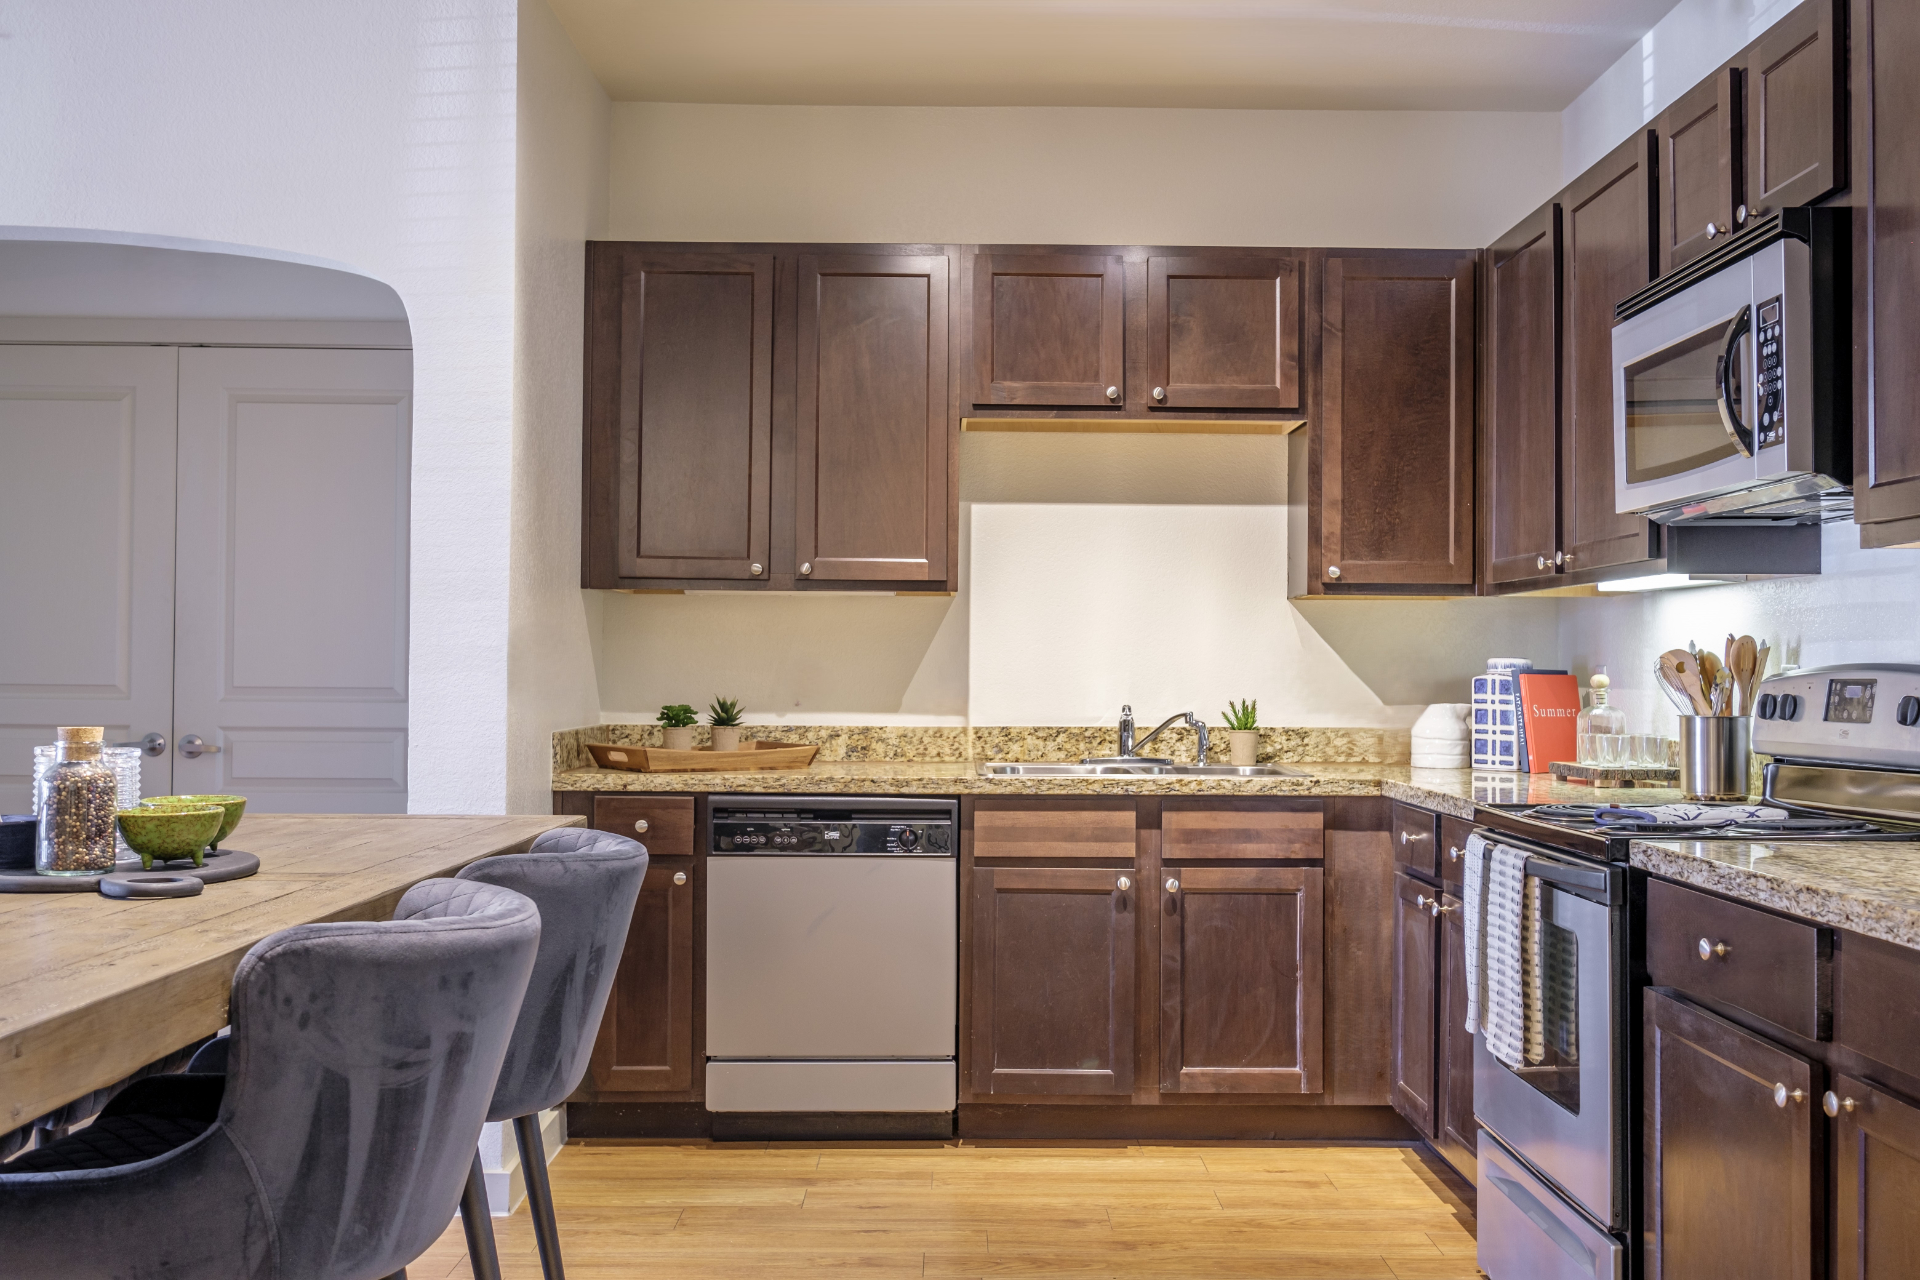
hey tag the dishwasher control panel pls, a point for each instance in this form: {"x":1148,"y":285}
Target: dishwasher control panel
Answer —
{"x":768,"y":828}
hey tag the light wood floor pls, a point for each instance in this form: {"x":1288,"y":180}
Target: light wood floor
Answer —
{"x":879,"y":1212}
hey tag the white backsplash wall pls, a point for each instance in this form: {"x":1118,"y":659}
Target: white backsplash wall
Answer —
{"x":1865,"y":607}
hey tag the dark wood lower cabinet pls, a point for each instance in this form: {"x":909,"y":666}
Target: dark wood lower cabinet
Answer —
{"x":1052,"y":991}
{"x":1240,"y":980}
{"x":1877,"y":1187}
{"x":1735,"y":1183}
{"x":1413,"y":1002}
{"x":1455,"y":1136}
{"x":646,"y":1039}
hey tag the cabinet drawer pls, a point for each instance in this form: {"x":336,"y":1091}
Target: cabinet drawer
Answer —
{"x":1876,"y":1001}
{"x":1240,"y":828}
{"x":668,"y":832}
{"x":1454,"y":833}
{"x":1765,"y":964}
{"x":1047,"y":828}
{"x":1416,"y":839}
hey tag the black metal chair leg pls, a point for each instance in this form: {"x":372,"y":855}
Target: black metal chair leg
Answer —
{"x":533,"y":1160}
{"x":477,"y":1218}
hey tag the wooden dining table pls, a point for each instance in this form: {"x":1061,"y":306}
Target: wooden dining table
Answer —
{"x":94,"y":988}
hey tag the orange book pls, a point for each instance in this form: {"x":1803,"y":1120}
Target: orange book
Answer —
{"x":1549,"y":712}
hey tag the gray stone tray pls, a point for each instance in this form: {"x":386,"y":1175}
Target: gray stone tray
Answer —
{"x":222,"y":865}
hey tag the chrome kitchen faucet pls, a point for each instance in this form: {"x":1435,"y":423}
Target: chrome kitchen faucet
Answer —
{"x":1130,"y":750}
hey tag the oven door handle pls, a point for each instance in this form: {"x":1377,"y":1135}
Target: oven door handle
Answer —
{"x":1737,"y":431}
{"x":1566,"y":874}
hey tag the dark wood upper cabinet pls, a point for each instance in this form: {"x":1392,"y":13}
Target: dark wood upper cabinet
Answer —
{"x":1455,"y":1135}
{"x":1414,"y":960}
{"x":1520,"y":429}
{"x":1048,"y":329}
{"x":1735,"y":1160}
{"x":1877,"y":1188}
{"x":871,"y":412}
{"x":1608,"y":256}
{"x":1886,"y":193}
{"x":1795,"y":83}
{"x":1396,"y":429}
{"x":1052,"y":984}
{"x":1240,"y":980}
{"x":679,"y":414}
{"x":1223,"y":333}
{"x":1700,"y":168}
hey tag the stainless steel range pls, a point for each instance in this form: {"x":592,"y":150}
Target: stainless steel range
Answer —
{"x":1560,"y":1158}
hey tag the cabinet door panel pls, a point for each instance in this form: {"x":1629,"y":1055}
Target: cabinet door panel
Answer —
{"x":645,"y":1043}
{"x":1520,"y":440}
{"x":1456,"y":1136}
{"x":1796,"y":120}
{"x":1414,"y":959}
{"x":1734,"y":1184}
{"x":1048,"y":329}
{"x":1100,"y":828}
{"x":1397,"y":350}
{"x":695,"y":414}
{"x":1698,"y":184}
{"x":1886,"y":99}
{"x":1240,"y":980}
{"x":872,"y":418}
{"x":1608,"y":257}
{"x":1219,"y":828}
{"x":1053,"y":981}
{"x":1877,"y":1197}
{"x":1224,"y":333}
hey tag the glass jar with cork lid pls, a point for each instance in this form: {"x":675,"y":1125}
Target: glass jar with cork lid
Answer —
{"x":79,"y":798}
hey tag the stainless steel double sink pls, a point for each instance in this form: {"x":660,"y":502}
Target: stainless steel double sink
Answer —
{"x":1136,"y":769}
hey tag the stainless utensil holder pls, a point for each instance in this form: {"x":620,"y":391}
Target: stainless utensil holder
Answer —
{"x":1714,"y":756}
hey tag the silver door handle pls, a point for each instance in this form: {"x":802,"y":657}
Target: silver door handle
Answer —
{"x":194,"y":745}
{"x":154,"y":744}
{"x":640,"y":825}
{"x":679,"y":877}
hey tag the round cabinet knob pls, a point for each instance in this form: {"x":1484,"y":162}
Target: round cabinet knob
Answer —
{"x":1563,"y":557}
{"x":1539,"y":562}
{"x":1333,"y":571}
{"x":1781,"y":1095}
{"x":1436,"y":910}
{"x":1173,"y":886}
{"x":1160,"y":394}
{"x":679,"y":877}
{"x":1833,"y":1104}
{"x":757,"y":569}
{"x":1404,"y":837}
{"x":1713,"y":950}
{"x":1453,"y":854}
{"x":1113,"y":393}
{"x":640,"y":825}
{"x":1123,"y":884}
{"x":1740,"y":216}
{"x":1421,"y":900}
{"x":806,"y":568}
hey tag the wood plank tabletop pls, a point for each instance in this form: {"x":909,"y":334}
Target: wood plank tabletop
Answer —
{"x":93,"y":988}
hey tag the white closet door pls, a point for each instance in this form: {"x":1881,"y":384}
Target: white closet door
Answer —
{"x":291,"y":605}
{"x":86,"y":551}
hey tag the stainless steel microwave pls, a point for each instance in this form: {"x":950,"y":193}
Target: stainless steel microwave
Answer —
{"x":1731,"y":381}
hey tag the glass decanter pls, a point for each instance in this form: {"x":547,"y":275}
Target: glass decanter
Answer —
{"x":1601,"y":731}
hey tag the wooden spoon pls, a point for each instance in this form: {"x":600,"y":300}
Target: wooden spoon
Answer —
{"x":1709,"y":670}
{"x":1682,"y":669}
{"x":1746,"y":671}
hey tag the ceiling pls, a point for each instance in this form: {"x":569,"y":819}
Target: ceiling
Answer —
{"x":1505,"y":55}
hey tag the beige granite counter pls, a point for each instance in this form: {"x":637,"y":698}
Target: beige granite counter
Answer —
{"x":1870,"y":887}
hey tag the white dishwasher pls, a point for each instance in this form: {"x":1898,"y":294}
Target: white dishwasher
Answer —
{"x":832,"y":961}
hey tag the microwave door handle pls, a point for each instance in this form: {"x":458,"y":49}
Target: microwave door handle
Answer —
{"x":1737,"y":431}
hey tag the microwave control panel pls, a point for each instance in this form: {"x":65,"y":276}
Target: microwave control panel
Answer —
{"x":1772,"y":424}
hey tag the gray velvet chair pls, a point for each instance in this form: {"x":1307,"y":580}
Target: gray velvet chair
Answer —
{"x":363,"y":1059}
{"x":585,"y":884}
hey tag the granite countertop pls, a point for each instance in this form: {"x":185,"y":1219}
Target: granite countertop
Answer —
{"x":1450,"y":791}
{"x":1870,"y":887}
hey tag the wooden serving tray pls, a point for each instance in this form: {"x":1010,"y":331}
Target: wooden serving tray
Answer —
{"x":1633,"y":775}
{"x":755,"y":755}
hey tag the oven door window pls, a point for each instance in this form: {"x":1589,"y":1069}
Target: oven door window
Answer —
{"x":1553,"y":1052}
{"x":1673,"y":410}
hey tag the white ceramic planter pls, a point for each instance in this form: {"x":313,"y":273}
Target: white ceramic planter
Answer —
{"x":1243,"y":746}
{"x":677,"y":739}
{"x":726,"y":737}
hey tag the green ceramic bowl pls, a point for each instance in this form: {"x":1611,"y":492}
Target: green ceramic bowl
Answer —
{"x":233,"y":806}
{"x":170,"y":831}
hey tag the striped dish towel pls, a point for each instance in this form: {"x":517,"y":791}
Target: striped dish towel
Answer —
{"x":1473,"y":898}
{"x":1505,"y":1010}
{"x":1533,"y":968}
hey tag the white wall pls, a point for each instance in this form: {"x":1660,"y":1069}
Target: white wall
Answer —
{"x":1681,"y":50}
{"x":1040,"y":510}
{"x":562,"y":163}
{"x":376,"y":133}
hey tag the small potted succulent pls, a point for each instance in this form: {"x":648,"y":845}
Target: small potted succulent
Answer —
{"x":724,"y":715}
{"x":1243,"y":734}
{"x":676,"y":726}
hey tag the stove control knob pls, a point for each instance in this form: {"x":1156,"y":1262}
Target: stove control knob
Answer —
{"x":1789,"y":706}
{"x":1766,"y":707}
{"x":1909,"y":711}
